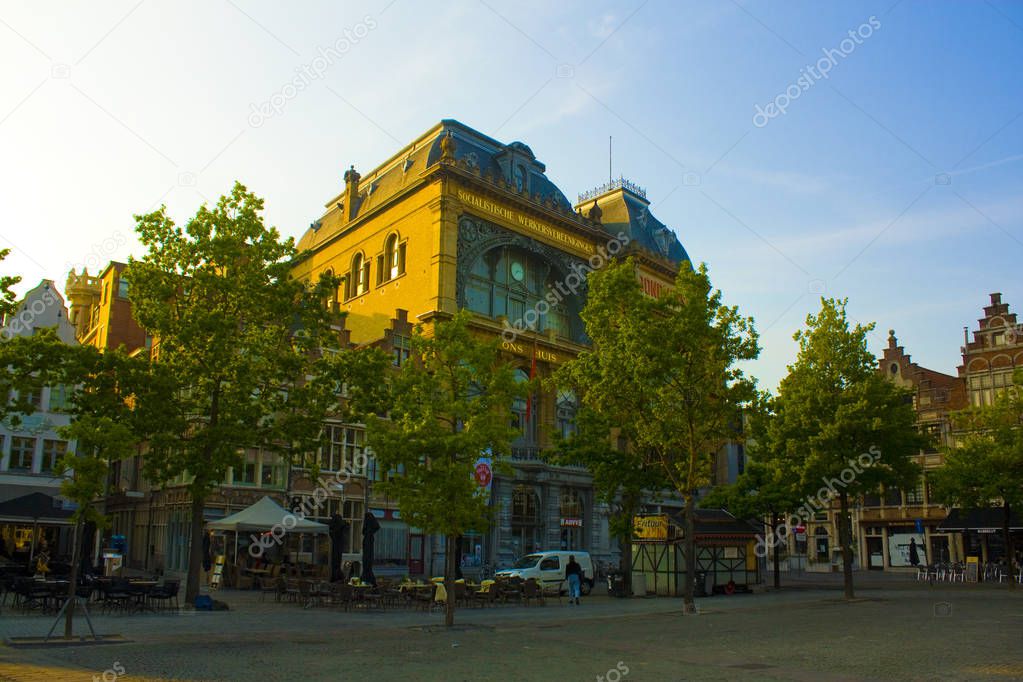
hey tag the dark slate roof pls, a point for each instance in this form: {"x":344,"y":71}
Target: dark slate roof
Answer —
{"x":494,"y":159}
{"x":979,"y":519}
{"x":622,"y":210}
{"x":715,"y":522}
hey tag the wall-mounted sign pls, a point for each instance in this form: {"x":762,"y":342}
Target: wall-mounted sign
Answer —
{"x":571,"y":523}
{"x":483,"y":474}
{"x":522,"y":349}
{"x":525,"y":222}
{"x":651,"y":287}
{"x":654,"y":527}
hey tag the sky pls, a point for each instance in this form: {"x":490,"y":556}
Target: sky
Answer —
{"x":869,"y":150}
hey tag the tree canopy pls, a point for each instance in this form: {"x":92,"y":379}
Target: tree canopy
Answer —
{"x":665,"y":371}
{"x":236,"y":333}
{"x":448,"y":405}
{"x":842,"y":428}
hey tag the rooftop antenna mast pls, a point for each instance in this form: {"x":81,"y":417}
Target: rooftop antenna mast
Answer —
{"x":609,"y":173}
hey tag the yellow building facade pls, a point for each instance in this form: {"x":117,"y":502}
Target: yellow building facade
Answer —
{"x":454,"y":220}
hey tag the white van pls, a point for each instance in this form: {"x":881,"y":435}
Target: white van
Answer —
{"x":549,"y":569}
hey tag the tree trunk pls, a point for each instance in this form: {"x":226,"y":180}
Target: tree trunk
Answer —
{"x":1009,"y":550}
{"x":775,"y":525}
{"x":195,"y":548}
{"x":76,"y":559}
{"x":449,"y":579}
{"x":845,"y":537}
{"x":688,"y":603}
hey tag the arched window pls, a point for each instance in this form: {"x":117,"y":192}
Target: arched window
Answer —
{"x":394,"y":258}
{"x":523,"y":287}
{"x":571,"y":504}
{"x":523,"y":419}
{"x":331,"y":298}
{"x":566,"y":406}
{"x":358,"y":277}
{"x":524,"y":505}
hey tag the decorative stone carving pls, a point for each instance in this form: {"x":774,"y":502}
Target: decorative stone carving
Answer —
{"x":477,"y":236}
{"x":447,"y":147}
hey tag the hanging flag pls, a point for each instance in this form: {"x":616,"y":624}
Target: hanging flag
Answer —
{"x":529,"y":398}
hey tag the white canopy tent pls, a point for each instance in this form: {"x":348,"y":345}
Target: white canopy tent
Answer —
{"x":264,"y":516}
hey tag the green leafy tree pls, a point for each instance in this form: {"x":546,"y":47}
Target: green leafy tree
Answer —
{"x":448,"y":405}
{"x":767,"y":488}
{"x":8,"y":299}
{"x":622,"y":478}
{"x":105,"y":427}
{"x":237,"y":334}
{"x":841,"y":427}
{"x":664,"y":371}
{"x":32,"y":363}
{"x":986,"y":464}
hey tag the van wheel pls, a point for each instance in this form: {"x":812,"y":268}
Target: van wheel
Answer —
{"x":585,"y":587}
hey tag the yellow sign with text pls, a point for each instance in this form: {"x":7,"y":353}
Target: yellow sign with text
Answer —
{"x":541,"y":229}
{"x":653,"y":527}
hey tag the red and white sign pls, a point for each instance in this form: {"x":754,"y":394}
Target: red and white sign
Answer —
{"x":484,"y":475}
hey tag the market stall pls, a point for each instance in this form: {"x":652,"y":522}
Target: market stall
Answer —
{"x":725,"y":557}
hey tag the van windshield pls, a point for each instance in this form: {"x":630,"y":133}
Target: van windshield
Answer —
{"x":527,"y":561}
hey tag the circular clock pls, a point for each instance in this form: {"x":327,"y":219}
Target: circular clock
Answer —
{"x":517,"y":271}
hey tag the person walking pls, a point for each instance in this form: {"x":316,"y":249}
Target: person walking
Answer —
{"x":574,"y":573}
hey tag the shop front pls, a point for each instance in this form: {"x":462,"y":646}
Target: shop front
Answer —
{"x":725,"y":558}
{"x":982,"y":533}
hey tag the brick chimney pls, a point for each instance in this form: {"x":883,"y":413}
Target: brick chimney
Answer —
{"x":352,"y":178}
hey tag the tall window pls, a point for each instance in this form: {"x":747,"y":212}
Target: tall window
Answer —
{"x":358,"y":277}
{"x":343,"y":446}
{"x":246,"y":473}
{"x":512,"y":282}
{"x":34,"y":398}
{"x":525,"y":520}
{"x":331,"y":298}
{"x":273,"y":471}
{"x":402,"y":348}
{"x":58,"y":398}
{"x":571,"y":503}
{"x":566,"y":408}
{"x":22,"y":452}
{"x":523,"y":418}
{"x":393,"y":260}
{"x":53,"y":450}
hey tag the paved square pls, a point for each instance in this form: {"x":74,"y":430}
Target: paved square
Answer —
{"x":901,"y":631}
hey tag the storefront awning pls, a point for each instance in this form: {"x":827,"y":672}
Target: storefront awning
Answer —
{"x":35,"y":508}
{"x":990,"y":519}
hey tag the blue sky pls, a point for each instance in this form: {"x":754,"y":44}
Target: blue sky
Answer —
{"x":895,"y":181}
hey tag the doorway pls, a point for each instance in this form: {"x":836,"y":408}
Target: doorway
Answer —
{"x":875,"y":554}
{"x":416,"y":554}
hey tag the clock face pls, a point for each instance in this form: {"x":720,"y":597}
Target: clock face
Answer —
{"x":517,"y":271}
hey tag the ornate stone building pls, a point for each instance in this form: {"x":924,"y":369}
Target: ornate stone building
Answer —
{"x":458,"y":220}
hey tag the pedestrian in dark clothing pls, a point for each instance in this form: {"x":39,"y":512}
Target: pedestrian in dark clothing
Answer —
{"x":574,"y":573}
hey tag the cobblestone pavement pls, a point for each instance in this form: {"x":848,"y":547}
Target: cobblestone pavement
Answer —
{"x":899,"y":630}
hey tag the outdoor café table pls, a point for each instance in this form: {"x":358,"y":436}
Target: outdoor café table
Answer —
{"x":141,"y":590}
{"x":58,"y":593}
